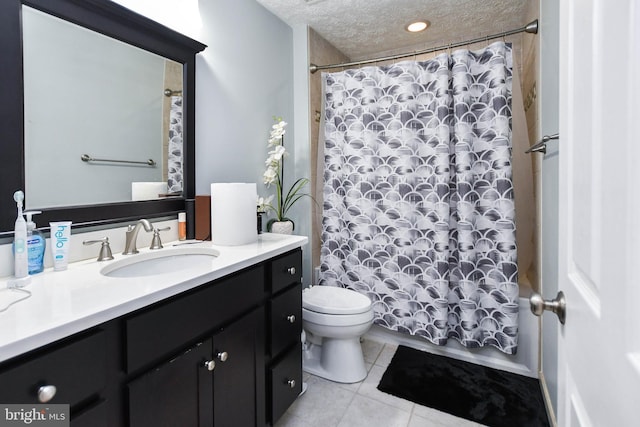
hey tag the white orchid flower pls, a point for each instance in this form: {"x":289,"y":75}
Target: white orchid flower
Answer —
{"x":277,"y":153}
{"x":277,"y":132}
{"x":264,"y":203}
{"x":275,"y":141}
{"x":273,"y":174}
{"x":280,"y":125}
{"x":270,"y":176}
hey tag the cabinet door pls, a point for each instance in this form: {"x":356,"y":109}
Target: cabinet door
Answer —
{"x":236,"y":378}
{"x":176,"y":393}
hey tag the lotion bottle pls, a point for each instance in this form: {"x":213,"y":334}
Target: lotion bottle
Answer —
{"x":182,"y":226}
{"x":35,"y":244}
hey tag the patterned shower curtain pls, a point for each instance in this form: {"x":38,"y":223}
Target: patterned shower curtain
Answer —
{"x":174,"y":160}
{"x":418,"y":209}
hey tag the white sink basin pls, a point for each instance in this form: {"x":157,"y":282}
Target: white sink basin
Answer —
{"x":162,"y":261}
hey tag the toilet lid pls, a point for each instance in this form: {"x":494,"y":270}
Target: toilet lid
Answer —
{"x":334,"y":300}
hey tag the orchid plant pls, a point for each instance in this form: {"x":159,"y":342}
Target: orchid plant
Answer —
{"x":274,"y":174}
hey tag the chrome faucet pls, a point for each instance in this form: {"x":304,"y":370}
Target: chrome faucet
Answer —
{"x":132,"y":236}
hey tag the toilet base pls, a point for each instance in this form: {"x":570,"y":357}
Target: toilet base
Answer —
{"x":338,"y":360}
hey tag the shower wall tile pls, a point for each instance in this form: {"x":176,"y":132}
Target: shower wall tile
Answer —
{"x":531,"y":79}
{"x":320,"y":52}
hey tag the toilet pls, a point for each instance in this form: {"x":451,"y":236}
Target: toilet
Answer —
{"x":333,"y":320}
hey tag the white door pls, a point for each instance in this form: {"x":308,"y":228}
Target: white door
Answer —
{"x":599,"y":208}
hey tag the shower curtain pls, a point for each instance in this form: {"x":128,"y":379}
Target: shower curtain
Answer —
{"x":174,"y":158}
{"x":418,"y":210}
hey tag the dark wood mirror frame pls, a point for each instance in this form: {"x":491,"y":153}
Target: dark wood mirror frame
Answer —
{"x":115,"y":21}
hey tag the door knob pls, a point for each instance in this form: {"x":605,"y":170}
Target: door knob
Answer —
{"x":46,"y":393}
{"x":291,"y":270}
{"x":558,"y":305}
{"x":291,"y":383}
{"x":210,"y":365}
{"x":223,"y":356}
{"x":291,"y":318}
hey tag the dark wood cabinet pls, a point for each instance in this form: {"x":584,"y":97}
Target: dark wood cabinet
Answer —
{"x":226,"y":353}
{"x":237,"y":352}
{"x":73,"y":370}
{"x":213,"y":383}
{"x":176,"y":393}
{"x":284,"y":369}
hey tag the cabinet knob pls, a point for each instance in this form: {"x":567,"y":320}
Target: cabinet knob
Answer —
{"x":291,"y":383}
{"x":210,"y":364}
{"x":46,"y":393}
{"x":291,"y":270}
{"x":291,"y":318}
{"x":223,"y":356}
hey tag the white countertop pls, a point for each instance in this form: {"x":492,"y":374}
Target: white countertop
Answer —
{"x":66,"y":302}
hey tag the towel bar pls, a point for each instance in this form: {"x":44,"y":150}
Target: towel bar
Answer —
{"x":88,"y":158}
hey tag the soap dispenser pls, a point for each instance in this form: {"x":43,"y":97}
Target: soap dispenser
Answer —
{"x":35,"y":244}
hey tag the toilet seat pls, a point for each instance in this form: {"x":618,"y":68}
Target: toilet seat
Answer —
{"x":324,"y":319}
{"x":334,"y":300}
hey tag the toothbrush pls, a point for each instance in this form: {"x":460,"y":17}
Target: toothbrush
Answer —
{"x":20,"y":240}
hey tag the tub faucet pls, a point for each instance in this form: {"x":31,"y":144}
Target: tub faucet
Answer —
{"x":132,"y":236}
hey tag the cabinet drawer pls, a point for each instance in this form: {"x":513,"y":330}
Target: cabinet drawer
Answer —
{"x":286,"y":271}
{"x":76,"y":368}
{"x":286,"y":382}
{"x":162,"y":330}
{"x":286,"y":319}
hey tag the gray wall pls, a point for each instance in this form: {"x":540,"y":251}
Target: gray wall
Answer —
{"x":246,"y":76}
{"x":549,"y":124}
{"x":243,"y":79}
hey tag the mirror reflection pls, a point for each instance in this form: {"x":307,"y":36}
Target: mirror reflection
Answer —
{"x":103,"y":119}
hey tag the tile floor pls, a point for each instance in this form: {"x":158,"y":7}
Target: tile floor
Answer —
{"x":329,"y":404}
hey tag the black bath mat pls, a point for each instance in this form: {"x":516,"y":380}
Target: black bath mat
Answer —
{"x":487,"y":396}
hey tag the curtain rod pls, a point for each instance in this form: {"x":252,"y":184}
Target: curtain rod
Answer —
{"x":531,"y":27}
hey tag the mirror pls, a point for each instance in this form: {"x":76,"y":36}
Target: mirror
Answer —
{"x":95,"y":109}
{"x":90,"y":68}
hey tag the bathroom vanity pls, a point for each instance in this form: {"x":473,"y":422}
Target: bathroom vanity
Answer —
{"x":190,"y":348}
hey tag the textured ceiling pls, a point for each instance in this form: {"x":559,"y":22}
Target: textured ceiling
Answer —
{"x":363,"y":29}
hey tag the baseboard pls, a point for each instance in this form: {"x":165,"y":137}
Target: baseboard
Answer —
{"x":547,"y":401}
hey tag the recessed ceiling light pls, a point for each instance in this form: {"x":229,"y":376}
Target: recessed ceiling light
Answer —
{"x":416,"y":27}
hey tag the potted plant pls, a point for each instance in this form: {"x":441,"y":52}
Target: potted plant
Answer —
{"x":274,"y":174}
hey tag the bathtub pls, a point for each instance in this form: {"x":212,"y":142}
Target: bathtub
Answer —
{"x":525,"y":362}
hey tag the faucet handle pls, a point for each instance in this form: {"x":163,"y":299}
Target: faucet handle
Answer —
{"x":105,"y":250}
{"x":156,"y":243}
